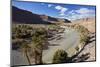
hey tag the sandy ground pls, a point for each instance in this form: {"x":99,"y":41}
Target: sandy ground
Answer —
{"x":89,"y":49}
{"x":89,"y":24}
{"x":66,"y":40}
{"x":18,"y":58}
{"x":88,"y":53}
{"x":70,"y":39}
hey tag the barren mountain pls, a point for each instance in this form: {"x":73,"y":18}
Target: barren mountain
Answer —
{"x":89,"y":50}
{"x":89,"y":23}
{"x":27,"y":17}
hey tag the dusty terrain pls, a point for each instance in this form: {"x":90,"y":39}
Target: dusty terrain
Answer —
{"x":89,"y":23}
{"x":89,"y":51}
{"x":67,"y":41}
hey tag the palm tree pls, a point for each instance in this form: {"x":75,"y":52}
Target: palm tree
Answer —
{"x":38,"y":42}
{"x":25,"y":47}
{"x":38,"y":49}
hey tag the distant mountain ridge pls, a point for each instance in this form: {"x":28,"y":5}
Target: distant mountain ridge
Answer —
{"x":27,"y":17}
{"x":87,"y":19}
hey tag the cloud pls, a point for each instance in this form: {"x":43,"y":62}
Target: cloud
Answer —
{"x":50,"y":5}
{"x":61,"y":9}
{"x":58,"y":7}
{"x":80,"y":13}
{"x":84,"y":11}
{"x":42,"y":3}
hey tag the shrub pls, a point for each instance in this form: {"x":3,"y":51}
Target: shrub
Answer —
{"x":84,"y":38}
{"x":60,"y":56}
{"x":77,"y":48}
{"x":22,"y":31}
{"x":84,"y":33}
{"x":38,"y":39}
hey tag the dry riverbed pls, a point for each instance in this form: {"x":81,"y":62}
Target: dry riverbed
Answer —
{"x":67,"y":41}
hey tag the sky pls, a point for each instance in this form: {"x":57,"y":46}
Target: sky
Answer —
{"x":66,"y":11}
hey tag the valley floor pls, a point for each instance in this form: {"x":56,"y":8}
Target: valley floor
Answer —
{"x":67,"y":41}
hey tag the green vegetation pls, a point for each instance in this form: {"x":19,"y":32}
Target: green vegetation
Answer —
{"x":84,"y":33}
{"x":53,"y":27}
{"x":33,"y":39}
{"x":77,"y":48}
{"x":25,"y":47}
{"x":82,"y":29}
{"x":60,"y":56}
{"x":26,"y":38}
{"x":21,"y":31}
{"x":39,"y":39}
{"x":84,"y":39}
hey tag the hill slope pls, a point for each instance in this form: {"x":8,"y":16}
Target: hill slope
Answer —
{"x":27,"y":17}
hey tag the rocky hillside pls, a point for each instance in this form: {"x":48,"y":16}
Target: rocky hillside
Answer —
{"x":89,"y":23}
{"x":27,"y":17}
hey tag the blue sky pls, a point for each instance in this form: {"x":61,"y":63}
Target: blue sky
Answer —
{"x":67,"y":11}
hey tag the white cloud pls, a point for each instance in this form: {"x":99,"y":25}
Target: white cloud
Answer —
{"x":61,"y":9}
{"x":58,"y":7}
{"x":49,"y":5}
{"x":80,"y":13}
{"x":72,"y":12}
{"x":84,"y":11}
{"x":42,"y":4}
